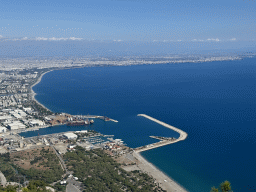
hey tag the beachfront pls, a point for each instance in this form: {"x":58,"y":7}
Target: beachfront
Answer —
{"x":33,"y":94}
{"x":164,"y":181}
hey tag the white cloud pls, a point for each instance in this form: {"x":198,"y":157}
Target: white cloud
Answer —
{"x":54,"y":39}
{"x":1,"y":36}
{"x":75,"y":38}
{"x":233,"y":39}
{"x":198,"y":40}
{"x":19,"y":39}
{"x":211,"y":39}
{"x":58,"y":39}
{"x":41,"y":39}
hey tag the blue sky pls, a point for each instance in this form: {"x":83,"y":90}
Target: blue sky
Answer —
{"x":126,"y":20}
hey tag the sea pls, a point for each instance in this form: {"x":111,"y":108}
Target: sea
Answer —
{"x":214,"y":102}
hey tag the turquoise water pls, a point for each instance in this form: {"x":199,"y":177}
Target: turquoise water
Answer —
{"x":215,"y":103}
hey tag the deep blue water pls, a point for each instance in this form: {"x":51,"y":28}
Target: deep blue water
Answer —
{"x":215,"y":103}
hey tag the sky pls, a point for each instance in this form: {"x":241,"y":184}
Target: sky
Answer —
{"x":128,"y":20}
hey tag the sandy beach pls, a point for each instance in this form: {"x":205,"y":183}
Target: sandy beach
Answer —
{"x":164,"y":181}
{"x":33,"y":94}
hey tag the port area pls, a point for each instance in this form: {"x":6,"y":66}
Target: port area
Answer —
{"x":163,"y":140}
{"x":105,"y":118}
{"x":88,"y":139}
{"x":75,"y":120}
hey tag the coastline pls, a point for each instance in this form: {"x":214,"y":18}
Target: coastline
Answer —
{"x":33,"y":94}
{"x":161,"y":178}
{"x":164,"y":181}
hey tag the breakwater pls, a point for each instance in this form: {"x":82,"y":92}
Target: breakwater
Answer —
{"x":165,"y":182}
{"x":183,"y":135}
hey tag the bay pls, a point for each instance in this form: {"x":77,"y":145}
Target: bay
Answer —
{"x":214,"y":102}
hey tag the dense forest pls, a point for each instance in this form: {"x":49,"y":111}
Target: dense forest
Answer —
{"x":99,"y":172}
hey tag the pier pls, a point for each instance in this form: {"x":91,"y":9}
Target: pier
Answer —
{"x":183,"y":136}
{"x":105,"y":118}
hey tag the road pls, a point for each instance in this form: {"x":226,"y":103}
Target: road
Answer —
{"x":60,"y":158}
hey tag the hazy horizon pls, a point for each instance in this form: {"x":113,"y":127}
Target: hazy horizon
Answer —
{"x":71,"y":48}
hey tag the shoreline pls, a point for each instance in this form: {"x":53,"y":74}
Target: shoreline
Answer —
{"x":33,"y":94}
{"x":161,"y":178}
{"x":165,"y":182}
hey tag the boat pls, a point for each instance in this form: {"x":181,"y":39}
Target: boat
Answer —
{"x":91,"y":121}
{"x":78,"y":122}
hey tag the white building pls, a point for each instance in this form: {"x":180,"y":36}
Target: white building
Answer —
{"x":70,"y":135}
{"x":27,"y":109}
{"x":36,"y":122}
{"x":5,"y":117}
{"x":16,"y":125}
{"x":22,"y":113}
{"x":17,"y":116}
{"x":3,"y":129}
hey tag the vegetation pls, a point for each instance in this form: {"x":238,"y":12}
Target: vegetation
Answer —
{"x":99,"y":172}
{"x":60,"y":187}
{"x":49,"y":168}
{"x":9,"y":188}
{"x":36,"y":186}
{"x":225,"y":187}
{"x":33,"y":186}
{"x":6,"y":167}
{"x":35,"y":165}
{"x":38,"y":108}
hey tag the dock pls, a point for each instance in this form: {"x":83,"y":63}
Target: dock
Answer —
{"x":105,"y":118}
{"x":183,"y":136}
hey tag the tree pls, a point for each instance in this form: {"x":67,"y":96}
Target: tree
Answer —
{"x":225,"y":186}
{"x":214,"y":189}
